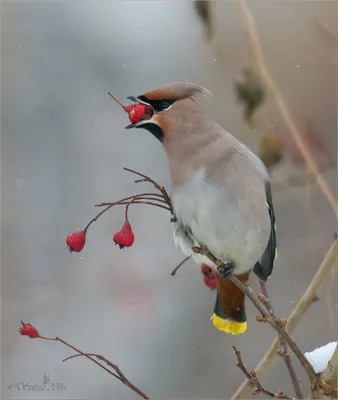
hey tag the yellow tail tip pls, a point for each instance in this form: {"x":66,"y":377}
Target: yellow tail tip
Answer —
{"x":228,"y":326}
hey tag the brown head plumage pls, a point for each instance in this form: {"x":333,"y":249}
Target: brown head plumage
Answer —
{"x":176,"y":91}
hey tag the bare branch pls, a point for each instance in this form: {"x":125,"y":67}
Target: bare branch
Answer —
{"x":256,"y":47}
{"x":146,"y":178}
{"x":120,"y":375}
{"x":255,"y":381}
{"x":295,"y":317}
{"x":117,"y":374}
{"x":266,"y":317}
{"x":283,"y":352}
{"x":326,"y":385}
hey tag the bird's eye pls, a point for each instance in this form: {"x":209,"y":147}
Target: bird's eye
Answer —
{"x":163,"y":105}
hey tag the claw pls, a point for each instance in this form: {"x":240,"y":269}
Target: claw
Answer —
{"x":226,"y":270}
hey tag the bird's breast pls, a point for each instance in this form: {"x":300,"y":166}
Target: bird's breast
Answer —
{"x":231,"y":225}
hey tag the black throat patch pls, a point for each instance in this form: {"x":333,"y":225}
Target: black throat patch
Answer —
{"x":154,"y":129}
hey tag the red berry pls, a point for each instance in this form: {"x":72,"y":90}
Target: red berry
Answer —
{"x":210,"y":282}
{"x":206,"y":270}
{"x":125,"y":236}
{"x":128,"y":108}
{"x":208,"y":276}
{"x":76,"y":241}
{"x":136,"y":112}
{"x":29,"y":330}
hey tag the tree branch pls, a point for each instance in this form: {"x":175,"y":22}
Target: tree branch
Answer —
{"x":283,"y":352}
{"x":326,"y":385}
{"x":120,"y":375}
{"x":278,"y":327}
{"x":278,"y":97}
{"x":295,"y":317}
{"x":255,"y":381}
{"x":117,"y":374}
{"x":266,"y":316}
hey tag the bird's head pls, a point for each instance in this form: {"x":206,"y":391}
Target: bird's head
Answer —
{"x":160,"y":104}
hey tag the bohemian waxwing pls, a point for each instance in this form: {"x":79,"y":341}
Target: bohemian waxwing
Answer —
{"x":220,"y":194}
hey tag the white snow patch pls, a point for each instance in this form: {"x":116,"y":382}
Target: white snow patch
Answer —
{"x":320,"y":357}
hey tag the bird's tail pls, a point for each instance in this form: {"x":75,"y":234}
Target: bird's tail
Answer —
{"x":229,"y":311}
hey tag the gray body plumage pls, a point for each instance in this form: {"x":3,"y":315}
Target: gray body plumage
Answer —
{"x":218,"y":190}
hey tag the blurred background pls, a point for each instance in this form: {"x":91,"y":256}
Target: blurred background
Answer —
{"x":63,"y":150}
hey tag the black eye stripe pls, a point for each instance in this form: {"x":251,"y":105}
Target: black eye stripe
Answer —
{"x":158,"y":105}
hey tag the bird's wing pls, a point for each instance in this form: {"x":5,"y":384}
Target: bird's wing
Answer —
{"x":263,"y":269}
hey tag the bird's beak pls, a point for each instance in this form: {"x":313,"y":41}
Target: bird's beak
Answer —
{"x":137,"y":100}
{"x":134,"y":99}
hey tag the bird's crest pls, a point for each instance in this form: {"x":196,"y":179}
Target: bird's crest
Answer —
{"x":177,"y":91}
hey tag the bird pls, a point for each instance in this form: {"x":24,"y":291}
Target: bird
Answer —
{"x":220,"y":194}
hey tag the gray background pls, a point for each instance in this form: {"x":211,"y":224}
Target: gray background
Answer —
{"x":63,"y":149}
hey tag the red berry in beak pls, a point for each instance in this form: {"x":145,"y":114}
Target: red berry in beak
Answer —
{"x":76,"y":241}
{"x":29,"y":330}
{"x":125,"y":236}
{"x":135,"y":112}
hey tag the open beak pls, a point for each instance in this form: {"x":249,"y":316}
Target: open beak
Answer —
{"x":137,"y":100}
{"x":131,"y":126}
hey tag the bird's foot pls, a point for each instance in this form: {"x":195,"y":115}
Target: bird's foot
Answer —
{"x":173,"y":218}
{"x":225,"y":270}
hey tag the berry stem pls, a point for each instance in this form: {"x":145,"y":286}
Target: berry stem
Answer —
{"x":118,"y":102}
{"x":143,"y":196}
{"x":137,"y":201}
{"x":127,"y":208}
{"x":157,"y":186}
{"x":179,"y":266}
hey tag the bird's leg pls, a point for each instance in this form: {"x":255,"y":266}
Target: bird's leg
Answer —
{"x":225,"y":270}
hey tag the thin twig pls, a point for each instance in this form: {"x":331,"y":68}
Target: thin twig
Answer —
{"x":110,"y":205}
{"x":255,"y":381}
{"x":280,"y":329}
{"x":117,"y":101}
{"x":157,"y":186}
{"x":278,"y":97}
{"x":283,"y":347}
{"x":264,"y":312}
{"x":294,"y":319}
{"x":134,"y":202}
{"x":179,"y":266}
{"x":118,"y":375}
